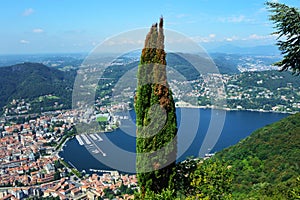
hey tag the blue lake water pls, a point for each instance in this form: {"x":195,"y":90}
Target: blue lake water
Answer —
{"x":218,"y":129}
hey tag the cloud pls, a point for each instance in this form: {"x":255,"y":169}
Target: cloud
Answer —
{"x":28,"y":12}
{"x":232,"y":38}
{"x":205,"y":39}
{"x":260,"y":37}
{"x":234,"y":19}
{"x":256,"y":37}
{"x":179,"y":16}
{"x":250,"y":37}
{"x":124,"y":41}
{"x":213,"y":38}
{"x":38,"y":30}
{"x":24,"y":42}
{"x":212,"y":35}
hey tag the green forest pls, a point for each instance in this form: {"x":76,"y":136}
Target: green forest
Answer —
{"x":265,"y":165}
{"x":33,"y":80}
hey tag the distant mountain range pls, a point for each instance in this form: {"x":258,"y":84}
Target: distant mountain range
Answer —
{"x":255,"y":50}
{"x":31,"y":80}
{"x":34,"y":80}
{"x":178,"y":62}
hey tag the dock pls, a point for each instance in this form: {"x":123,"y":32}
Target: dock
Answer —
{"x":83,"y":139}
{"x":93,"y":136}
{"x":87,"y":141}
{"x":98,"y":136}
{"x":78,"y":138}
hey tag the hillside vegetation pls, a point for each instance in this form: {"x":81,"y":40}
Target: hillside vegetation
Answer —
{"x":32,"y":80}
{"x":266,"y":164}
{"x":263,"y":166}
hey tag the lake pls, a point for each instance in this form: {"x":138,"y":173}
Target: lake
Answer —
{"x":200,"y":131}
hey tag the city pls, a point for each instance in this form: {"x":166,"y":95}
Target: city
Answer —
{"x":31,"y":166}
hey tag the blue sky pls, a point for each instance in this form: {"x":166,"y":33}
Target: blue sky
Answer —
{"x":65,"y":26}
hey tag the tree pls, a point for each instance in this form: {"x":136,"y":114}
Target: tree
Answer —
{"x":296,"y":190}
{"x":156,"y":144}
{"x":57,"y":175}
{"x":166,"y":194}
{"x":211,"y":180}
{"x":182,"y":176}
{"x":287,"y":23}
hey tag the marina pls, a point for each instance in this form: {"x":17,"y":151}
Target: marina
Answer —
{"x":90,"y":143}
{"x":83,"y":139}
{"x":78,"y":138}
{"x":93,"y":136}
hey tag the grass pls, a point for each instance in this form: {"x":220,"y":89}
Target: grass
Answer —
{"x":102,"y":119}
{"x":52,"y":97}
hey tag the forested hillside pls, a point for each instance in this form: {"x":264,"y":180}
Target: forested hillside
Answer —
{"x":267,"y":163}
{"x":32,"y":80}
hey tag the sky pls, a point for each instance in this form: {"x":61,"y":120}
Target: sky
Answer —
{"x":68,"y":26}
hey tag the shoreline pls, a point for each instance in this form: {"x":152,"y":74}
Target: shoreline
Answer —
{"x":234,"y":109}
{"x":195,"y":154}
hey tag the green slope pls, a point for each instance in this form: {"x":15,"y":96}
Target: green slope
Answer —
{"x":267,"y":163}
{"x":32,"y":80}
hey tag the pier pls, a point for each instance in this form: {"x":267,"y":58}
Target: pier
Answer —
{"x":83,"y":139}
{"x":78,"y":138}
{"x":93,"y":136}
{"x":100,"y":139}
{"x":101,"y":171}
{"x":87,"y":141}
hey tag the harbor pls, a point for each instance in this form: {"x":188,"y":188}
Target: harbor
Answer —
{"x":109,"y":151}
{"x":89,"y":140}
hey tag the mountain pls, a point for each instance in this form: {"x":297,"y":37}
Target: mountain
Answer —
{"x":267,"y":163}
{"x":58,"y":60}
{"x":31,"y":80}
{"x":256,"y":50}
{"x":227,"y":64}
{"x":178,"y":62}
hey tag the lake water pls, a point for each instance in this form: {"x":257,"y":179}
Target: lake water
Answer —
{"x":200,"y":131}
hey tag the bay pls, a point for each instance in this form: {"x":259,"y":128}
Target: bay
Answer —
{"x":218,"y":129}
